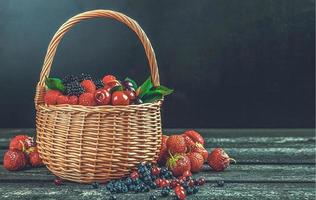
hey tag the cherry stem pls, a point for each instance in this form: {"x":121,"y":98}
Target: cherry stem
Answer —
{"x":170,"y":154}
{"x":232,"y":160}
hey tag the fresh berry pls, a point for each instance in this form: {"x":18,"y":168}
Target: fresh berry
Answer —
{"x":128,"y":85}
{"x":152,"y":197}
{"x":58,"y":181}
{"x":21,"y":142}
{"x":73,"y":100}
{"x":34,"y":158}
{"x":137,"y":101}
{"x":51,"y":96}
{"x":201,"y":181}
{"x":196,"y":160}
{"x":195,"y":189}
{"x":134,"y":175}
{"x":14,"y":160}
{"x":220,"y":183}
{"x":155,"y":171}
{"x":88,"y":86}
{"x":191,"y":182}
{"x":108,"y":78}
{"x":87,"y":99}
{"x":164,"y":183}
{"x":84,"y":76}
{"x":218,"y":159}
{"x":165,"y":191}
{"x":187,"y":173}
{"x":74,"y":89}
{"x":176,"y":144}
{"x":98,"y":83}
{"x":200,"y":149}
{"x":95,"y":185}
{"x":189,"y":142}
{"x":180,"y":192}
{"x":68,"y":79}
{"x":119,"y":98}
{"x":174,"y":183}
{"x":195,"y":136}
{"x":62,"y":99}
{"x":178,"y":164}
{"x":112,"y":197}
{"x":163,"y":154}
{"x":131,"y":94}
{"x":102,"y":97}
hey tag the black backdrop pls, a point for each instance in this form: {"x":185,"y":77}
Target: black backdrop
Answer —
{"x":232,"y":64}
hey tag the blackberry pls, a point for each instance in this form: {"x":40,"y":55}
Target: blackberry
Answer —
{"x":84,"y":76}
{"x":74,"y":89}
{"x":165,"y":191}
{"x":98,"y":83}
{"x":195,"y":189}
{"x":69,"y":78}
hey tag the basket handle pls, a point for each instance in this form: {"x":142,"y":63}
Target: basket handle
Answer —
{"x":132,"y":24}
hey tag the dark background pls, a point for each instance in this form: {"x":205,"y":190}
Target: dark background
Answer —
{"x":233,"y":64}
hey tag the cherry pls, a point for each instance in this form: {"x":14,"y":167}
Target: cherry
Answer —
{"x":137,"y":101}
{"x":131,"y":94}
{"x":58,"y":182}
{"x":119,"y":98}
{"x":174,"y":183}
{"x":128,"y":85}
{"x":158,"y":182}
{"x":134,"y":175}
{"x":191,"y":182}
{"x":108,"y":78}
{"x":155,"y":171}
{"x":102,"y":97}
{"x":201,"y":181}
{"x":164,"y":183}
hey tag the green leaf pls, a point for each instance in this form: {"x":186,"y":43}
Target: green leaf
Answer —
{"x":151,"y":96}
{"x":54,"y":84}
{"x":132,"y":81}
{"x":145,"y":87}
{"x":162,"y":90}
{"x":116,"y":88}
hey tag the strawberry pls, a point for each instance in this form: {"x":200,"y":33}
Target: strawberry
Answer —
{"x":34,"y":158}
{"x":21,"y":142}
{"x":88,"y":86}
{"x":196,"y":160}
{"x":50,"y":97}
{"x":163,"y":154}
{"x":180,"y":192}
{"x":108,"y":78}
{"x":87,"y":99}
{"x":14,"y":160}
{"x":73,"y":100}
{"x":200,"y":149}
{"x":62,"y":99}
{"x":218,"y":159}
{"x":178,"y":164}
{"x":176,"y":144}
{"x":195,"y":136}
{"x":189,"y":142}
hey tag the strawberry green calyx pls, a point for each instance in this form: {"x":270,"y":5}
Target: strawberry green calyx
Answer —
{"x":172,"y":161}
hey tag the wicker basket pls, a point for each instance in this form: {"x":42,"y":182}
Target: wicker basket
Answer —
{"x":96,"y":144}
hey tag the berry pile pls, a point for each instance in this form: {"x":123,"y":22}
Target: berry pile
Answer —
{"x":87,"y":91}
{"x":22,"y":152}
{"x":148,"y":177}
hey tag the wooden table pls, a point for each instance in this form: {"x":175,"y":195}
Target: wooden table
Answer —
{"x":272,"y":164}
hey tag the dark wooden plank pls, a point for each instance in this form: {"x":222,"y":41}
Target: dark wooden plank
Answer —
{"x":245,"y":191}
{"x":235,"y":173}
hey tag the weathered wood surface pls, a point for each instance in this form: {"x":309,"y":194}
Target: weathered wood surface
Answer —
{"x":272,"y":164}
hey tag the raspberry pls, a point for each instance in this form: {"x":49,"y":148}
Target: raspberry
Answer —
{"x":108,"y":78}
{"x":20,"y":142}
{"x":87,"y":99}
{"x":34,"y":158}
{"x":62,"y":99}
{"x":14,"y":160}
{"x":73,"y":100}
{"x":89,"y":86}
{"x":51,"y":97}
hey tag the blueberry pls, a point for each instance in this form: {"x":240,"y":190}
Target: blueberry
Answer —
{"x":153,"y":185}
{"x":112,"y":197}
{"x":152,"y":197}
{"x":128,"y":181}
{"x":195,"y":189}
{"x":95,"y":185}
{"x":220,"y":183}
{"x":165,"y":191}
{"x":189,"y":190}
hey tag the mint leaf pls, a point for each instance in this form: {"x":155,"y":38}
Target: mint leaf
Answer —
{"x":145,"y":87}
{"x":151,"y":96}
{"x":162,"y":90}
{"x":54,"y":84}
{"x":132,"y":81}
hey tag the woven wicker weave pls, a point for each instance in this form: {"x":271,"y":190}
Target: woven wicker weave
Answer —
{"x":96,"y":144}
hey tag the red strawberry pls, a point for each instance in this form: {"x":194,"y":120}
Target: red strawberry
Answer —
{"x":14,"y":160}
{"x":21,"y":142}
{"x":196,"y":160}
{"x":219,"y":160}
{"x":34,"y":157}
{"x":73,"y":100}
{"x":176,"y":144}
{"x":87,"y":99}
{"x":200,"y":149}
{"x":180,"y":192}
{"x":108,"y":78}
{"x":187,"y":173}
{"x":163,"y":154}
{"x":50,"y":97}
{"x":62,"y":99}
{"x":195,"y":136}
{"x":88,"y":86}
{"x":178,"y":164}
{"x":189,"y":142}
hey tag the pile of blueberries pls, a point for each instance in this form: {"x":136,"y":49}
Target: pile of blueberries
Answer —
{"x":148,"y":177}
